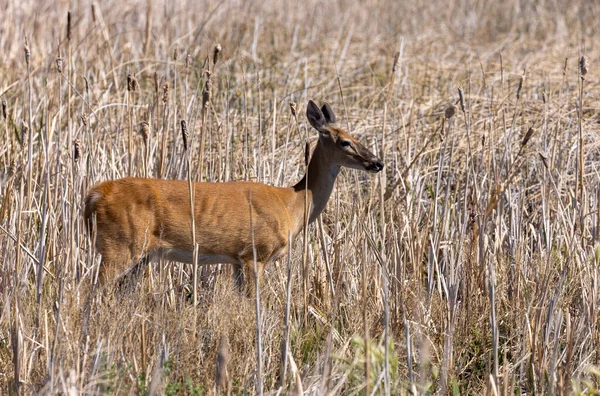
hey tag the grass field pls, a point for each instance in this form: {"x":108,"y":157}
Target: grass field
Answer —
{"x":470,"y":265}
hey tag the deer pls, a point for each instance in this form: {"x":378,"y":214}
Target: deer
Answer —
{"x":243,"y":223}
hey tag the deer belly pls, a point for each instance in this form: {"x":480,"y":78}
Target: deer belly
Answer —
{"x":186,"y":256}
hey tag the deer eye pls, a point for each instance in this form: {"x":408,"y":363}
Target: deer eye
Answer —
{"x":346,"y":143}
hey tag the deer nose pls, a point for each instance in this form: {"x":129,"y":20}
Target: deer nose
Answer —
{"x":379,"y":166}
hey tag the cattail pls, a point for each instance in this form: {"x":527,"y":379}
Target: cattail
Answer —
{"x":461,"y":99}
{"x":184,"y":134}
{"x":293,"y":108}
{"x":156,"y":82}
{"x":565,"y":67}
{"x":166,"y":90}
{"x":520,"y":87}
{"x":69,"y":25}
{"x":93,"y":13}
{"x":27,"y":52}
{"x":188,"y":61}
{"x":221,"y":374}
{"x":527,"y":137}
{"x":207,"y":94}
{"x":583,"y":66}
{"x":544,"y":97}
{"x":87,"y":85}
{"x":216,"y":52}
{"x":450,"y":111}
{"x":76,"y":150}
{"x":145,"y":131}
{"x":306,"y":153}
{"x":84,"y":119}
{"x":395,"y":64}
{"x":59,"y":64}
{"x":176,"y":53}
{"x":4,"y":109}
{"x":132,"y":83}
{"x":24,"y":131}
{"x":544,"y":160}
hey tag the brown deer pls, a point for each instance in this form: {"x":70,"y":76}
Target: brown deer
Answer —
{"x":235,"y":222}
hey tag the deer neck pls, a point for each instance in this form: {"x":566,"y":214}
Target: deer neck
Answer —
{"x":316,"y":185}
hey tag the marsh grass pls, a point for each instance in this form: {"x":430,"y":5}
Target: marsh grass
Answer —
{"x":470,"y":266}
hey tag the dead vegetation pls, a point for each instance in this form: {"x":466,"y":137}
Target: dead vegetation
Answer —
{"x":470,"y":265}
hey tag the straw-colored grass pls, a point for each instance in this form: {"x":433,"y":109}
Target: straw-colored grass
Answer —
{"x":469,"y":266}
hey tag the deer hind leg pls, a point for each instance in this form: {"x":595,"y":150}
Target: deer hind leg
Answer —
{"x":117,"y":262}
{"x":120,"y":274}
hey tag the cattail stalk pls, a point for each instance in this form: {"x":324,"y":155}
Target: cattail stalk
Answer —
{"x":148,"y":26}
{"x":30,"y":127}
{"x":286,"y":317}
{"x":367,"y":365}
{"x":130,"y":132}
{"x":382,"y":189}
{"x":259,"y":378}
{"x":166,"y":89}
{"x":206,"y":101}
{"x":305,"y":269}
{"x":69,"y":89}
{"x":191,"y":190}
{"x":583,"y":69}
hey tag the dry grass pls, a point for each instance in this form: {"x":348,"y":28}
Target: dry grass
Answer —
{"x":476,"y":254}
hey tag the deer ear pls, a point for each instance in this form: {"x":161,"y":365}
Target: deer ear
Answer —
{"x":328,"y":113}
{"x":316,"y":117}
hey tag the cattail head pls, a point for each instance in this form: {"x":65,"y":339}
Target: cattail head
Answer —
{"x":207,"y":93}
{"x":93,"y":13}
{"x":216,"y":52}
{"x":4,"y":109}
{"x":544,"y":159}
{"x":84,"y":119}
{"x":156,"y":83}
{"x":24,"y":131}
{"x":59,"y":64}
{"x":520,"y":87}
{"x":450,"y":111}
{"x":544,"y":97}
{"x":184,"y":134}
{"x":461,"y":99}
{"x":69,"y":25}
{"x":583,"y":66}
{"x":527,"y":137}
{"x":565,"y":67}
{"x":395,"y":64}
{"x":188,"y":61}
{"x":145,"y":131}
{"x":76,"y":150}
{"x":27,"y":52}
{"x":166,"y":91}
{"x":176,"y":53}
{"x":132,"y":83}
{"x":293,"y":108}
